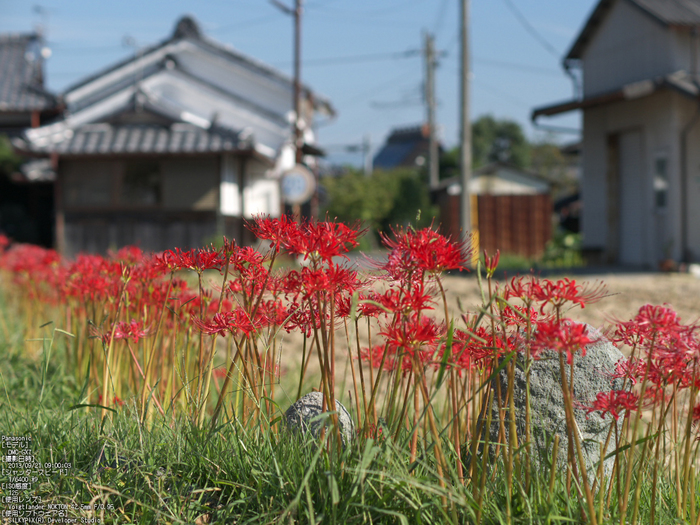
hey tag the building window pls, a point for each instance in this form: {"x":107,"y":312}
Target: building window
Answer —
{"x":141,"y":183}
{"x":661,"y":182}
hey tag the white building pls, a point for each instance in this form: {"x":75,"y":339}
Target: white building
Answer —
{"x":171,"y":146}
{"x":638,"y":61}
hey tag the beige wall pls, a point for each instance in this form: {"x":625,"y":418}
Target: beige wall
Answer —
{"x":659,"y":118}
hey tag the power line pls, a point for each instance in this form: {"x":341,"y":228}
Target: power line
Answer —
{"x":530,"y":29}
{"x":372,"y":57}
{"x":520,"y":67}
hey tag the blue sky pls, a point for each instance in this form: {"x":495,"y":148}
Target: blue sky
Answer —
{"x":375,"y":80}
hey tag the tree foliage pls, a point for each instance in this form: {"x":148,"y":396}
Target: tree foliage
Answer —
{"x":382,"y":200}
{"x":9,"y":160}
{"x":499,"y":140}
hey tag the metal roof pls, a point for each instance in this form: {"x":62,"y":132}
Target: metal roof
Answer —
{"x":106,"y":139}
{"x":21,"y":81}
{"x":667,"y":12}
{"x":680,"y":81}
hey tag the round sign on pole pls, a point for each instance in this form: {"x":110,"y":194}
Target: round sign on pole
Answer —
{"x":298,"y":185}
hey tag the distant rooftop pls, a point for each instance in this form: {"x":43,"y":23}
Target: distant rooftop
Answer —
{"x":22,"y":81}
{"x":403,"y":148}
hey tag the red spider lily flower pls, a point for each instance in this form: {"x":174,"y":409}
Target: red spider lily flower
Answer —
{"x":165,"y":262}
{"x":631,"y":369}
{"x":519,"y":316}
{"x":527,"y":289}
{"x":324,"y":240}
{"x":491,"y":263}
{"x":424,"y":250}
{"x":696,"y":413}
{"x":4,"y":242}
{"x":413,"y":336}
{"x":563,"y":336}
{"x":332,"y":279}
{"x":567,"y":291}
{"x":133,"y":330}
{"x":613,"y":403}
{"x":369,"y":304}
{"x":272,"y":313}
{"x":278,"y":230}
{"x":236,"y":321}
{"x":243,"y":257}
{"x":305,"y":318}
{"x":127,"y":254}
{"x":413,"y":299}
{"x":477,"y":349}
{"x":374,"y":357}
{"x":199,"y":259}
{"x":412,"y":332}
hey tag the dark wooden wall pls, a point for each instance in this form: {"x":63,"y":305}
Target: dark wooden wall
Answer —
{"x":152,"y":231}
{"x":514,"y":224}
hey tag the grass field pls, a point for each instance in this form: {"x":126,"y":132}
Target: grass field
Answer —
{"x":191,"y":427}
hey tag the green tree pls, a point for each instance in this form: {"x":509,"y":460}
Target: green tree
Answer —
{"x":549,"y":162}
{"x":499,"y":140}
{"x":492,"y":140}
{"x":381,"y":201}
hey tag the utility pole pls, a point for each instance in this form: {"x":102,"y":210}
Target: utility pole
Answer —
{"x":298,"y":139}
{"x":298,"y":134}
{"x":366,"y":155}
{"x":430,"y":63}
{"x":467,"y":221}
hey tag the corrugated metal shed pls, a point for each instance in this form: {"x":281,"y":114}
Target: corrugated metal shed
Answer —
{"x":21,"y":81}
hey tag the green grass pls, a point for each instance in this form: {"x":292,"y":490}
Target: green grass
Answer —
{"x":169,"y":471}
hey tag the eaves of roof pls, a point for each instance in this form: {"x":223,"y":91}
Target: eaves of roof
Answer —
{"x":134,"y":139}
{"x":679,"y":81}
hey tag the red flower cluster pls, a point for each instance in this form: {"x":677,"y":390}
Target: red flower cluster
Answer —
{"x":555,"y":293}
{"x":423,"y":251}
{"x":670,"y":348}
{"x":613,"y":403}
{"x":316,"y":240}
{"x":563,"y":336}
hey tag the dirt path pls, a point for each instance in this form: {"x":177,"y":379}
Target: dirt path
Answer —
{"x":626,"y":293}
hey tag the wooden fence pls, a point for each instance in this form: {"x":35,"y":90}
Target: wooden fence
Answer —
{"x":514,"y":224}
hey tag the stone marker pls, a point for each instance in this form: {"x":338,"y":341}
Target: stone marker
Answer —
{"x":547,"y":416}
{"x":304,"y":415}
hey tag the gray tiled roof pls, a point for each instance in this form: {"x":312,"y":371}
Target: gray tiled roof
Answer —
{"x":107,"y":139}
{"x":21,"y":82}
